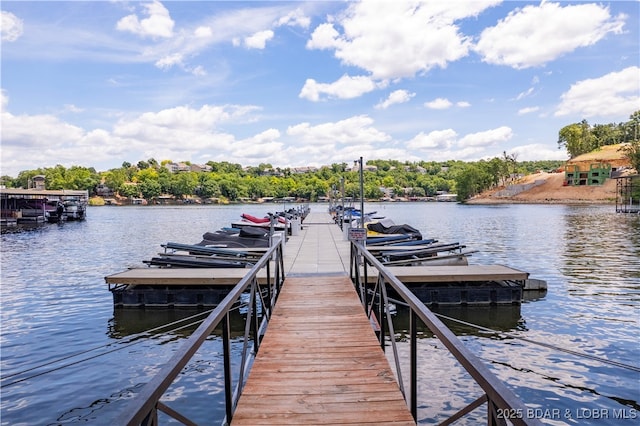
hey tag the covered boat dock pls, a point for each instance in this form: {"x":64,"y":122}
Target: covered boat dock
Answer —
{"x":40,"y":205}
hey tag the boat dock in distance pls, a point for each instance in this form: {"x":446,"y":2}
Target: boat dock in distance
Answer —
{"x":321,"y":358}
{"x":34,"y":206}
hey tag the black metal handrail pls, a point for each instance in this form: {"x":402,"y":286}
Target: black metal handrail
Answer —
{"x":143,"y":408}
{"x":502,"y":404}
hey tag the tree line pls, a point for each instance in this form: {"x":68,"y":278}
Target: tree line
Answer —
{"x":232,"y":182}
{"x":581,"y":138}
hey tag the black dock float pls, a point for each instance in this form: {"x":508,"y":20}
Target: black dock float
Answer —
{"x":174,"y":287}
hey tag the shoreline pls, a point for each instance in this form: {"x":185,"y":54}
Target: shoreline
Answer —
{"x":550,"y":188}
{"x":483,"y":200}
{"x":489,"y":201}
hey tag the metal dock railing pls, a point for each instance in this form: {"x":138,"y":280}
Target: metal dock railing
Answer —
{"x":309,"y":365}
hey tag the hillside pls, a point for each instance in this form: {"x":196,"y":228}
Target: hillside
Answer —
{"x":550,"y":188}
{"x":552,"y":191}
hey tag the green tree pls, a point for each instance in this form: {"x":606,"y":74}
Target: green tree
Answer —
{"x":183,"y":184}
{"x":146,"y":174}
{"x":55,"y":177}
{"x":114,"y":178}
{"x":632,"y":152}
{"x":8,"y":181}
{"x":231,"y":187}
{"x":78,"y":177}
{"x":372,"y":191}
{"x":499,"y":171}
{"x":208,"y":187}
{"x":576,"y":138}
{"x":472,"y":181}
{"x":150,"y":189}
{"x":631,"y":129}
{"x":165,"y":179}
{"x":129,"y":190}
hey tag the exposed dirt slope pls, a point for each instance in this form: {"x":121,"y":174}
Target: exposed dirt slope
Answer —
{"x":553,"y":191}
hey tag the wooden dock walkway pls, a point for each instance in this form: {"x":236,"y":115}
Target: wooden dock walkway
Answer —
{"x":320,"y":248}
{"x":320,"y":362}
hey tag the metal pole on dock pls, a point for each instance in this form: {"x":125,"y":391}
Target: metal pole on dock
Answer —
{"x":342,"y":209}
{"x":361,"y":196}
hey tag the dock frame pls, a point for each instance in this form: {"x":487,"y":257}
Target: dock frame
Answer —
{"x":285,"y":339}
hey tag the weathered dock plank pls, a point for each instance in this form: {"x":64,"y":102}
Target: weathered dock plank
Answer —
{"x":460,"y":273}
{"x":181,"y":276}
{"x":320,"y":362}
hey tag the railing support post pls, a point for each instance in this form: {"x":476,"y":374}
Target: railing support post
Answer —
{"x":381,"y":312}
{"x":281,"y":275}
{"x":226,"y":348}
{"x":151,"y":419}
{"x":266,"y":307}
{"x":352,"y":262}
{"x":255,"y":296}
{"x":413,"y":348}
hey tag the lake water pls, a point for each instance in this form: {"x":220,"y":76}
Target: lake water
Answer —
{"x":55,"y":304}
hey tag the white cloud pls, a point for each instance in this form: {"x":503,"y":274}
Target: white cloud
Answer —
{"x":325,"y":36}
{"x":443,"y":139}
{"x":463,"y":104}
{"x":523,"y":95}
{"x":537,"y":151}
{"x":534,"y":35}
{"x":439,"y":103}
{"x":37,"y":131}
{"x":528,"y":110}
{"x":203,"y":32}
{"x":258,"y":40}
{"x":176,"y":133}
{"x":4,"y":100}
{"x":353,"y":130}
{"x":346,"y":87}
{"x":614,"y":94}
{"x":444,"y":144}
{"x":30,"y":141}
{"x":188,"y":119}
{"x":169,"y":61}
{"x":250,"y":27}
{"x":72,"y":108}
{"x":295,"y":18}
{"x":12,"y":27}
{"x":258,"y":147}
{"x":486,"y":138}
{"x":465,"y":154}
{"x":157,"y":24}
{"x":395,"y":97}
{"x":398,"y":39}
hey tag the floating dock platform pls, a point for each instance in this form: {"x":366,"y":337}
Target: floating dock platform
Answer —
{"x":174,"y":287}
{"x":463,"y":285}
{"x":320,"y":247}
{"x":321,"y":359}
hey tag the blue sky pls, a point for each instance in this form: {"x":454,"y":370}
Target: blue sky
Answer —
{"x":96,"y":83}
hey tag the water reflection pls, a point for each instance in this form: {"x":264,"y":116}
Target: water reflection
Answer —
{"x":55,"y":302}
{"x":181,"y":322}
{"x":498,"y":318}
{"x":601,"y":248}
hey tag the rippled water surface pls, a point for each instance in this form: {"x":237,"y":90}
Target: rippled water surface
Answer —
{"x":54,"y":303}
